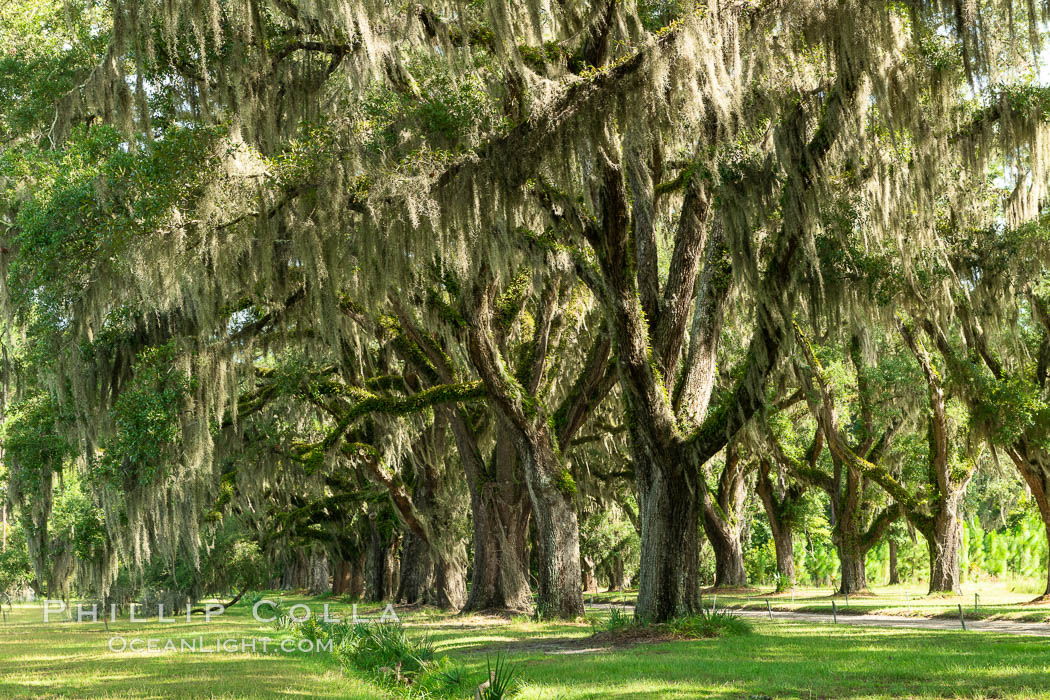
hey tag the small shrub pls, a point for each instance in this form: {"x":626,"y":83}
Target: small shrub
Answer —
{"x":310,"y":628}
{"x":371,"y":647}
{"x":618,"y":620}
{"x":317,"y":630}
{"x":709,"y":624}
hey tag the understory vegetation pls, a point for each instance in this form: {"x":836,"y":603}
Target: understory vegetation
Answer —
{"x":549,"y":660}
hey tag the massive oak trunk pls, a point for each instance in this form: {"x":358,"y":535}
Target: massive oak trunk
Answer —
{"x":783,"y":543}
{"x":785,"y":550}
{"x":431,"y":577}
{"x":319,"y":576}
{"x":500,"y":575}
{"x":357,"y":576}
{"x":501,"y":513}
{"x":944,"y":556}
{"x":1044,"y":511}
{"x":590,"y":579}
{"x":729,"y":556}
{"x":551,"y":488}
{"x":852,"y":557}
{"x":379,"y":566}
{"x":553,"y":496}
{"x":619,"y":580}
{"x":341,"y":578}
{"x":669,"y":511}
{"x":851,"y":539}
{"x":432,"y":569}
{"x":649,"y":330}
{"x":448,"y":590}
{"x":417,"y":570}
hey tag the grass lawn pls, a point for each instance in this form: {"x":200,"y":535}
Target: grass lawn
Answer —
{"x":995,"y":601}
{"x":73,"y":660}
{"x":555,"y":660}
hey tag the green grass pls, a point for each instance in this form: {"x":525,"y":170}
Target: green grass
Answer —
{"x":793,"y":660}
{"x":996,"y":601}
{"x":553,"y":660}
{"x":67,"y":659}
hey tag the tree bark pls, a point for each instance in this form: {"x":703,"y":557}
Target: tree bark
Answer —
{"x":723,"y":520}
{"x":449,"y":588}
{"x":319,"y":581}
{"x":590,"y":580}
{"x":430,"y":569}
{"x":552,"y":493}
{"x":551,"y":489}
{"x":945,"y":540}
{"x":668,"y":573}
{"x":729,"y":557}
{"x":294,"y":576}
{"x":417,"y":571}
{"x":895,"y":577}
{"x":1044,"y":511}
{"x":357,"y":576}
{"x":784,"y":544}
{"x":619,"y":581}
{"x":1038,"y":480}
{"x":379,"y":565}
{"x":341,"y":578}
{"x":501,"y":514}
{"x":852,"y":557}
{"x":500,"y":574}
{"x":777,"y":507}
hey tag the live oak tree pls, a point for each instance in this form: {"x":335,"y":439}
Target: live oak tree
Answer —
{"x":1005,"y":404}
{"x":992,"y":340}
{"x":724,"y":518}
{"x":195,"y":186}
{"x":781,"y":493}
{"x":859,"y":513}
{"x":489,"y":459}
{"x":934,"y":507}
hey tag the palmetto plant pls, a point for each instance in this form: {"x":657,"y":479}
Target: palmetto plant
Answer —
{"x":375,"y":646}
{"x":503,"y":680}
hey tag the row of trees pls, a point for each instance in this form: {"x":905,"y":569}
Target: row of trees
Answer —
{"x":483,"y":272}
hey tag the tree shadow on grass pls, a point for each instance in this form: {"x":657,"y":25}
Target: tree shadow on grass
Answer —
{"x":810,"y":663}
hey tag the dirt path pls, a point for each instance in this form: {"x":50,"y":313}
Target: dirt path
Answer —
{"x":1032,"y":629}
